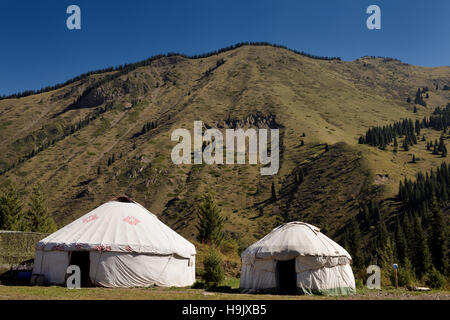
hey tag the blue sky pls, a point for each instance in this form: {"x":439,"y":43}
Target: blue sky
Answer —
{"x":37,"y":49}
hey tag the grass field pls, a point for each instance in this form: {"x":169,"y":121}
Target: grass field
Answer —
{"x":157,"y":293}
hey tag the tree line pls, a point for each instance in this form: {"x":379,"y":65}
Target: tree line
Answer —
{"x":381,"y":136}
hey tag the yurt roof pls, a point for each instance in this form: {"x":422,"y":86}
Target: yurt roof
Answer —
{"x":120,"y":225}
{"x":294,"y":239}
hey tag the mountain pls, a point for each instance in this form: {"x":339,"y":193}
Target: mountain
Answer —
{"x":109,"y":132}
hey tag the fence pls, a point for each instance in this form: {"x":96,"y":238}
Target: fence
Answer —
{"x":17,"y":247}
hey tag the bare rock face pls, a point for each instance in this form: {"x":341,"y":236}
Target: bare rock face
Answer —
{"x":257,"y":120}
{"x":116,"y":90}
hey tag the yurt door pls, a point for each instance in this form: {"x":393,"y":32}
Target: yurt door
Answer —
{"x":81,"y":259}
{"x":287,"y":278}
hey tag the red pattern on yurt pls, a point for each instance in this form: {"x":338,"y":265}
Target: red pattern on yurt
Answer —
{"x":131,"y":220}
{"x":90,"y":218}
{"x":58,"y":247}
{"x":102,"y":248}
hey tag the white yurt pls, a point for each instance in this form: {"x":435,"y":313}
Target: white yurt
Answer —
{"x":118,"y":244}
{"x":297,"y":258}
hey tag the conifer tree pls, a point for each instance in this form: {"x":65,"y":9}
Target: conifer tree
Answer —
{"x":438,"y":243}
{"x":386,"y":255}
{"x":210,"y":221}
{"x":435,"y":149}
{"x":401,"y":244}
{"x":354,"y":243}
{"x":11,"y":206}
{"x":274,"y":194}
{"x":421,"y":254}
{"x":37,"y":217}
{"x":405,"y":145}
{"x":382,"y":234}
{"x":444,"y":150}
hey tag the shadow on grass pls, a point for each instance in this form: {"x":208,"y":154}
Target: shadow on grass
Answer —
{"x":214,"y":288}
{"x":18,"y":275}
{"x":222,"y":289}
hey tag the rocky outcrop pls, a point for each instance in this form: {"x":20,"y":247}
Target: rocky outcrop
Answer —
{"x":257,"y":120}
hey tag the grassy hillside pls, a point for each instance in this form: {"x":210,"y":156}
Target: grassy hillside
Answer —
{"x":63,"y":138}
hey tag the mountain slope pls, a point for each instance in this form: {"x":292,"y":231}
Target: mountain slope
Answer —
{"x":82,"y":125}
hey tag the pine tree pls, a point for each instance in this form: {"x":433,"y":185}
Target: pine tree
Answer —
{"x":405,"y":145}
{"x":401,"y":244}
{"x":354,"y":243}
{"x":435,"y":149}
{"x":438,"y":243}
{"x":274,"y":194}
{"x":386,"y":256}
{"x":382,"y":234}
{"x":299,"y":177}
{"x":444,"y":150}
{"x":11,"y":206}
{"x":421,"y":254}
{"x":210,"y":222}
{"x":37,"y":217}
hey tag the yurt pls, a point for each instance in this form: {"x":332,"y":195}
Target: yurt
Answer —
{"x":297,"y":258}
{"x":118,"y":244}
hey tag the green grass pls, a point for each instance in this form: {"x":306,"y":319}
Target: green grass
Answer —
{"x":154,"y":293}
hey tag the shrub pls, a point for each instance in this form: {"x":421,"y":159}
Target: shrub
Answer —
{"x":434,"y":279}
{"x":229,"y":246}
{"x":213,"y":269}
{"x":404,"y":277}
